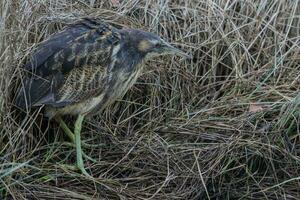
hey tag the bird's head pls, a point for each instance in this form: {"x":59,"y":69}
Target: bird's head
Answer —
{"x":150,"y":45}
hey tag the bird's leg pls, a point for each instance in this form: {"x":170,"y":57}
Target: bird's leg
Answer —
{"x":77,"y":130}
{"x":70,"y":134}
{"x":66,"y":129}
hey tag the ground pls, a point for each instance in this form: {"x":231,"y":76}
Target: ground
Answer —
{"x":222,"y":126}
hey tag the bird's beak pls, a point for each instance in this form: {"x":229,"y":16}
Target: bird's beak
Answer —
{"x":172,"y":50}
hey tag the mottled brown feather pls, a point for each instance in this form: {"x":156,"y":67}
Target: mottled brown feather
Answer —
{"x":66,"y":56}
{"x":85,"y":67}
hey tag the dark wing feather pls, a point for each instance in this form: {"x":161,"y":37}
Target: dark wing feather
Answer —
{"x":85,"y":43}
{"x":57,"y":42}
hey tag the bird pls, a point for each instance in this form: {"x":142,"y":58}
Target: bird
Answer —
{"x":84,"y":68}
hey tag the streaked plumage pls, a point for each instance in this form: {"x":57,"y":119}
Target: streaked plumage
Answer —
{"x":84,"y":68}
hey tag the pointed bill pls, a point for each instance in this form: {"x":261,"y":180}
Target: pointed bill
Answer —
{"x":172,"y":50}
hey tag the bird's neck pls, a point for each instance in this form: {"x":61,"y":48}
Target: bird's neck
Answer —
{"x":128,"y":59}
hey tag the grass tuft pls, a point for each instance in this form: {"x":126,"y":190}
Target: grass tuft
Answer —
{"x":222,"y":126}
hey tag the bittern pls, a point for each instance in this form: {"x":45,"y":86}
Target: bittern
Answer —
{"x":84,"y":68}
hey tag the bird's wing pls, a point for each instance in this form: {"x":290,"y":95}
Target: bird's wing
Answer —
{"x":86,"y":30}
{"x":79,"y":54}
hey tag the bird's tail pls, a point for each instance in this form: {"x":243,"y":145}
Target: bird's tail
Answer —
{"x":31,"y":91}
{"x":23,"y":98}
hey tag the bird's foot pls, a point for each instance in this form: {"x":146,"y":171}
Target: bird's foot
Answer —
{"x":75,"y":168}
{"x":83,"y":171}
{"x":84,"y":155}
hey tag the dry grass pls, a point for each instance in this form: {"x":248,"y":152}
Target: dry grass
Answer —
{"x":225,"y":126}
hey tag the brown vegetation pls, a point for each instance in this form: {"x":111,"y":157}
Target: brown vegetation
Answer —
{"x":224,"y":126}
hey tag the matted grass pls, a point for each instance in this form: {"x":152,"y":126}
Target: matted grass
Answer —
{"x":223,"y":126}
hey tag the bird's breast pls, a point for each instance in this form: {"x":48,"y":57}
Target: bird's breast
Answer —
{"x":118,"y":85}
{"x":125,"y":81}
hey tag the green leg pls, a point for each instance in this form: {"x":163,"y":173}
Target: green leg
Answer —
{"x":70,"y":134}
{"x":66,"y":129}
{"x":77,"y":130}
